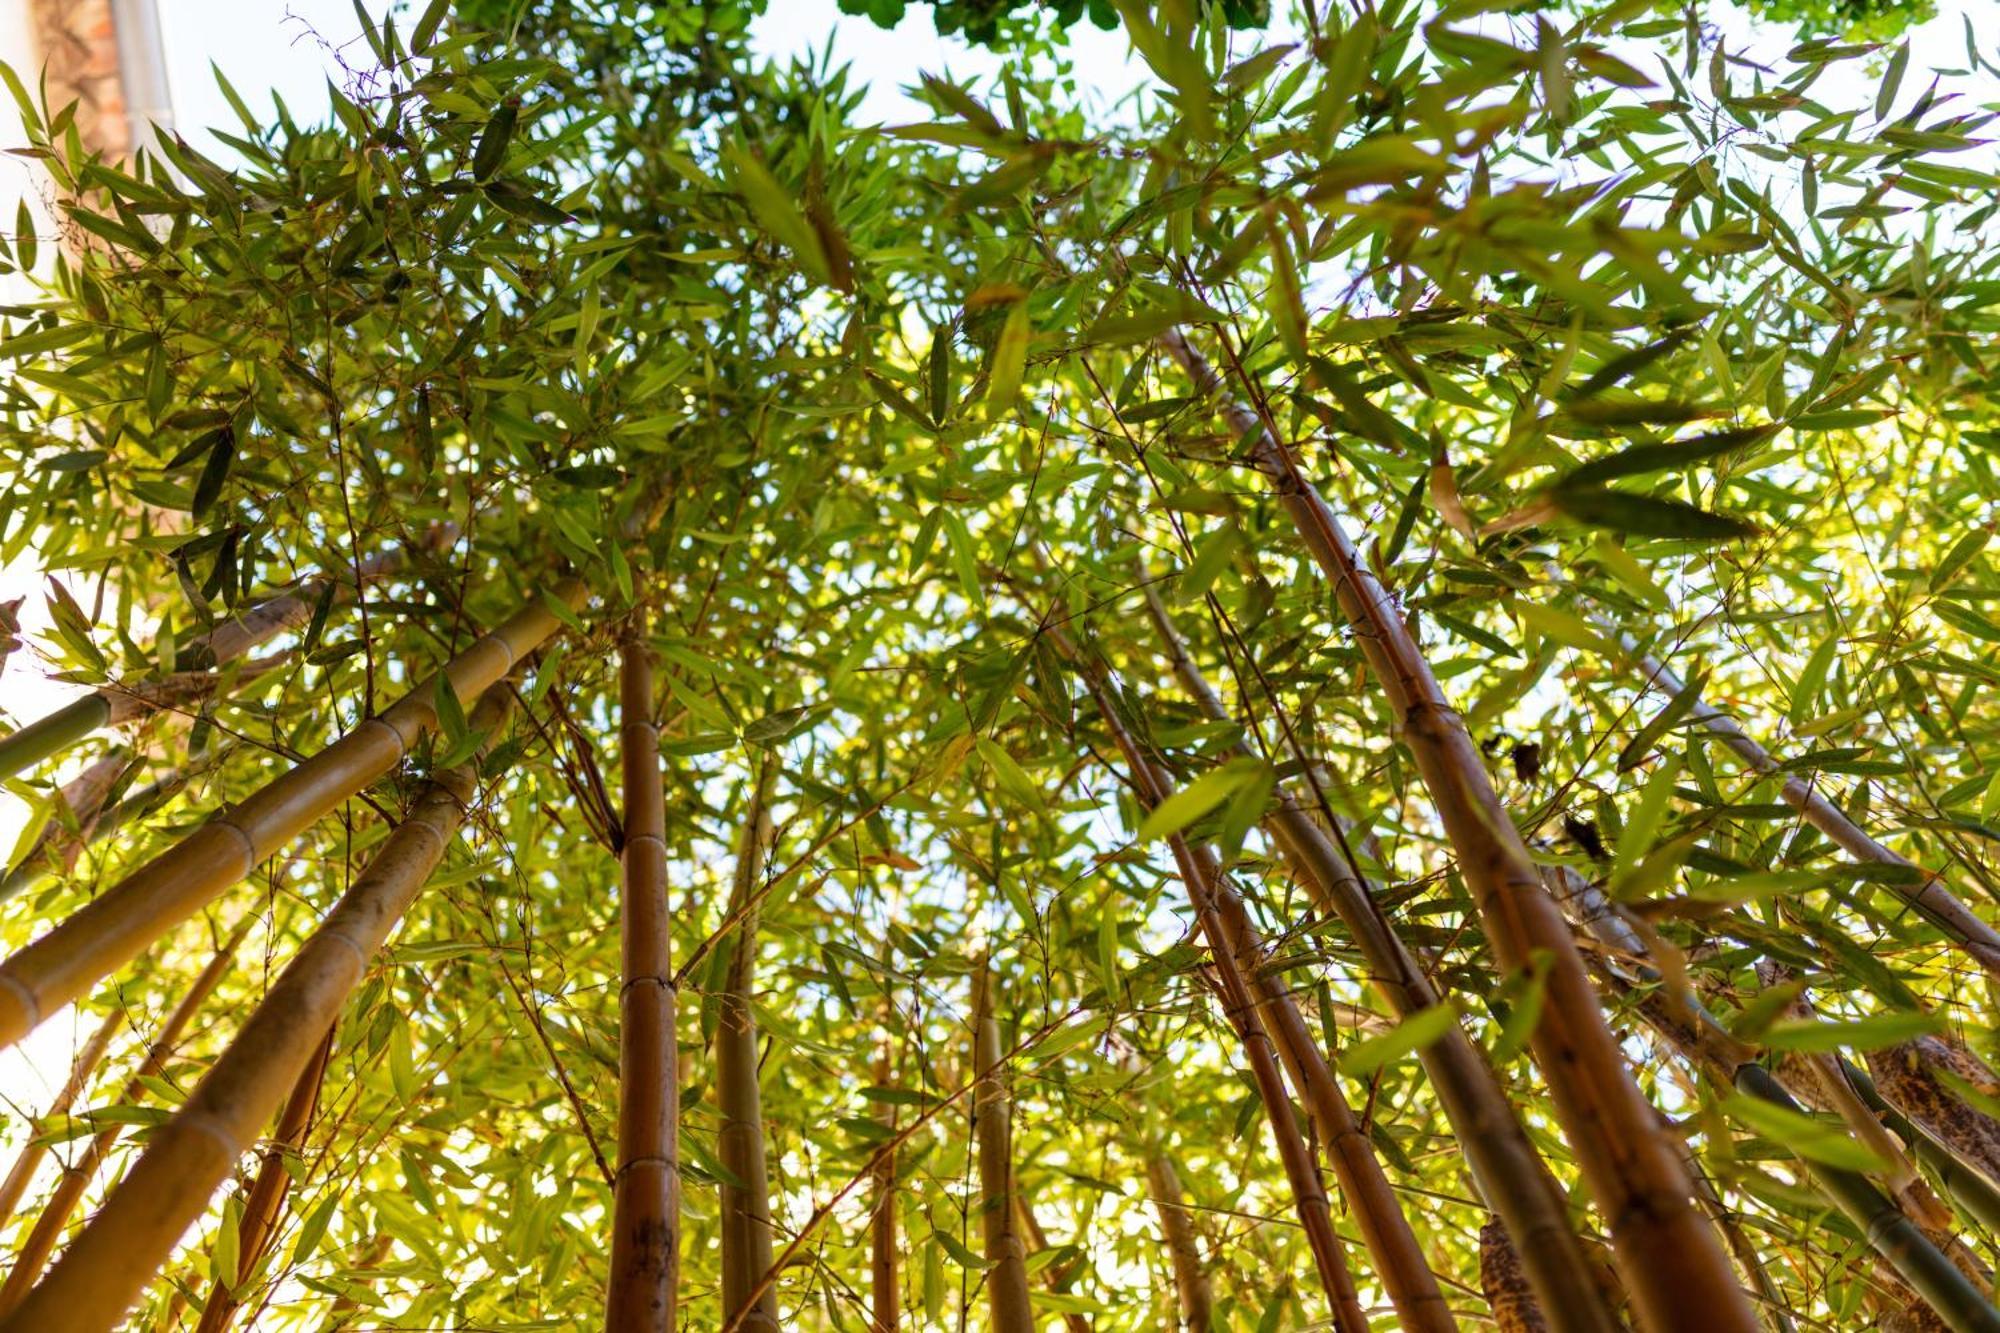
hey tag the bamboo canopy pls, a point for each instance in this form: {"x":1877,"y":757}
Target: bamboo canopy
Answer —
{"x":1344,"y":653}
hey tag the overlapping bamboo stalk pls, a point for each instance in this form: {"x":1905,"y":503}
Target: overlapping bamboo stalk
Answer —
{"x":1930,"y":896}
{"x":1509,"y":1172}
{"x":1672,"y":1262}
{"x":123,"y":920}
{"x":112,"y":705}
{"x":107,"y":1266}
{"x":645,"y":1227}
{"x":1011,"y":1307}
{"x":258,"y":1225}
{"x":33,"y":1254}
{"x":35,"y":1149}
{"x":1688,"y":1028}
{"x":1244,"y":1012}
{"x":748,"y":1302}
{"x":1192,"y":1290}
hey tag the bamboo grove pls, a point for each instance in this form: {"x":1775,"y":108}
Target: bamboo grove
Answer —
{"x":1356,"y":693}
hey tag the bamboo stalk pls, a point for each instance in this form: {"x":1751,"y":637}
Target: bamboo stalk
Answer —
{"x":33,"y":1254}
{"x":110,"y":705}
{"x":1673,"y":1263}
{"x":1244,"y":1014}
{"x":645,"y":1234}
{"x":1505,"y":1166}
{"x":1399,"y":1260}
{"x":106,"y":1267}
{"x":747,"y":1301}
{"x":258,"y":1224}
{"x":1951,"y":1294}
{"x":82,"y":797}
{"x":30,"y":745}
{"x":885,"y":1307}
{"x":1504,"y":1280}
{"x":1191,"y":1286}
{"x":124,"y":920}
{"x":34,"y":1150}
{"x":1931,"y":898}
{"x":1012,"y":1309}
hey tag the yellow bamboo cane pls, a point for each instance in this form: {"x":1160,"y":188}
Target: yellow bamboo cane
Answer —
{"x":106,"y":1267}
{"x":1191,"y":1284}
{"x":267,"y":1193}
{"x":1508,"y":1171}
{"x":1007,"y":1295}
{"x":747,"y":1300}
{"x":124,"y":920}
{"x":645,"y":1226}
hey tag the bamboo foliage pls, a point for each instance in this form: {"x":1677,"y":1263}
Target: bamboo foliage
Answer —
{"x":122,"y":921}
{"x":22,"y":1173}
{"x":1928,"y":894}
{"x":1566,"y":341}
{"x":1229,"y":950}
{"x":231,"y":641}
{"x":105,"y":1268}
{"x":645,"y":1236}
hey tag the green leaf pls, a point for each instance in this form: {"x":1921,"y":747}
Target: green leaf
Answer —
{"x":1872,"y":1033}
{"x":1406,"y":1038}
{"x":1191,"y":802}
{"x":1642,"y":516}
{"x":1814,"y":1140}
{"x":493,"y":141}
{"x":1640,"y":459}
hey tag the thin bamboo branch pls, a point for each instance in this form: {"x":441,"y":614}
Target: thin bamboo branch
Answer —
{"x":35,"y":1149}
{"x":1011,"y":1307}
{"x":1509,"y":1172}
{"x":645,"y":1228}
{"x":121,"y":922}
{"x":33,"y":1255}
{"x":1931,"y":897}
{"x":746,"y":1200}
{"x":1673,"y":1263}
{"x":106,"y":1267}
{"x":1191,"y":1285}
{"x":259,"y":1221}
